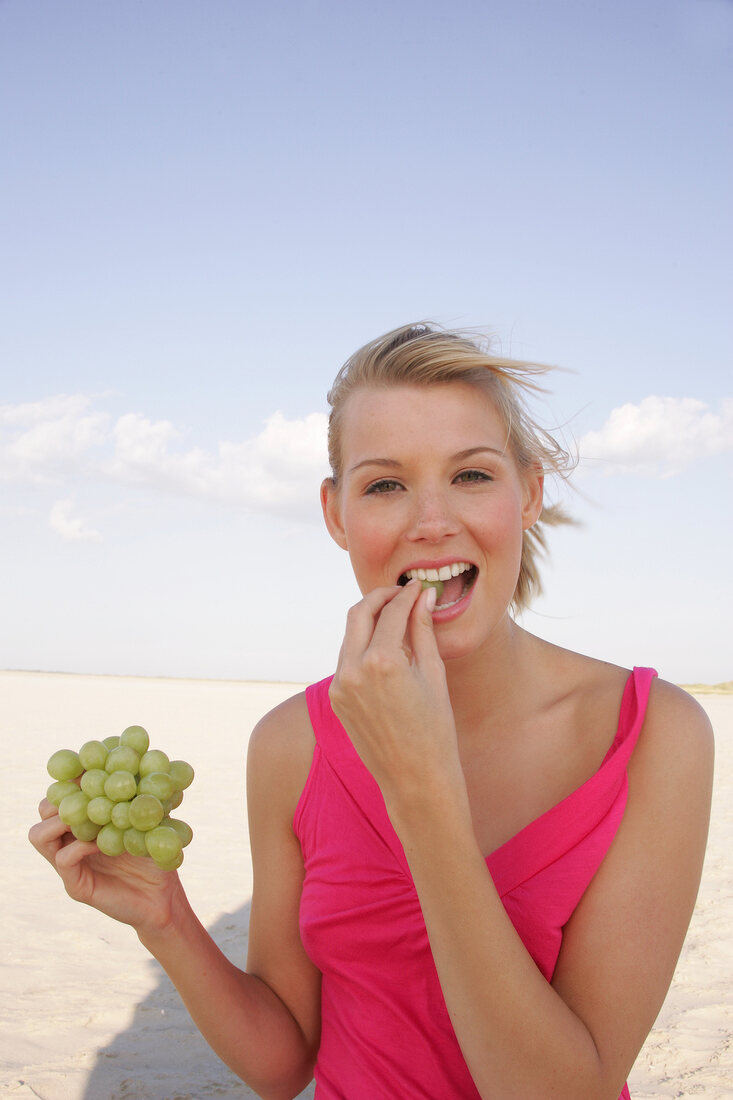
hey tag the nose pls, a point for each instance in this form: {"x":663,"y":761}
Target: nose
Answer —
{"x":432,"y":518}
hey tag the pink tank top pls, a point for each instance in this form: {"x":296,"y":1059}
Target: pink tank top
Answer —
{"x":385,"y":1028}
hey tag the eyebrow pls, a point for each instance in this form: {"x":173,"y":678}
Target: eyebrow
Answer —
{"x":394,"y":464}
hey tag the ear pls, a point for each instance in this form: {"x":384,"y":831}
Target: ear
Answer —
{"x":331,"y":506}
{"x":534,"y":482}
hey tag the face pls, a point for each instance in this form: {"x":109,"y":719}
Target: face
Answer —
{"x":427,"y":484}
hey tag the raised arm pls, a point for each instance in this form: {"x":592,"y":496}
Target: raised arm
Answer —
{"x":265,"y":1023}
{"x":522,"y":1037}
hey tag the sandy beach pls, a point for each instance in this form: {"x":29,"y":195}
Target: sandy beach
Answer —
{"x":85,"y":1014}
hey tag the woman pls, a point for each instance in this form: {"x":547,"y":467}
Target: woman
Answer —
{"x":475,"y":854}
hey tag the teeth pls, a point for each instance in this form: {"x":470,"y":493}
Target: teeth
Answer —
{"x":443,"y":574}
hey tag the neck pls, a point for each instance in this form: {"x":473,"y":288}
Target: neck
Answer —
{"x":492,"y":681}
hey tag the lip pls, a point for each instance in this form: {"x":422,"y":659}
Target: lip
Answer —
{"x":444,"y":615}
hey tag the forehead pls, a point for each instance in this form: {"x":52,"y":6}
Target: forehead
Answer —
{"x":450,"y":414}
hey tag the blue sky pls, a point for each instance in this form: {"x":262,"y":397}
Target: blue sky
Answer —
{"x":207,"y":206}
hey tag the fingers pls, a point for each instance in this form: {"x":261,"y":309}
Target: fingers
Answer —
{"x":421,"y":630}
{"x":362,"y":619}
{"x":49,"y":834}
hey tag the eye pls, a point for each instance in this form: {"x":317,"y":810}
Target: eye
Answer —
{"x":384,"y":485}
{"x":468,"y":476}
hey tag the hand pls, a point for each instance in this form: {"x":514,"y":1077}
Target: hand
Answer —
{"x":390,"y":693}
{"x":128,"y":888}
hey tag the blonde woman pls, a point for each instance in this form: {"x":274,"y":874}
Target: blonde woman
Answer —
{"x":475,"y":854}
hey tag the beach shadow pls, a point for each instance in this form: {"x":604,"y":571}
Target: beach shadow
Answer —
{"x":161,"y":1055}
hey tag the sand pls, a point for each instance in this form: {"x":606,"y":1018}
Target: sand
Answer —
{"x":85,"y":1014}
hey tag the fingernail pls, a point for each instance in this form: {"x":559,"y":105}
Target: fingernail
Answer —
{"x":430,"y":599}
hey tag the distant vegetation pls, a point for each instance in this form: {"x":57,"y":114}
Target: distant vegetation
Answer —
{"x":725,"y":688}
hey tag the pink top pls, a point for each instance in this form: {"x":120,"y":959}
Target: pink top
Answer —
{"x":385,"y":1027}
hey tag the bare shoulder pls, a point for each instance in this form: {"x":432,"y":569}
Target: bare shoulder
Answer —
{"x":281,"y":750}
{"x":676,"y":743}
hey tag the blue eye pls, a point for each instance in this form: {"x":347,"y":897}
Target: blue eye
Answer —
{"x":384,"y":485}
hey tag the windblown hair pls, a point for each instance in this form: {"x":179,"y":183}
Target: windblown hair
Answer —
{"x":424,"y":354}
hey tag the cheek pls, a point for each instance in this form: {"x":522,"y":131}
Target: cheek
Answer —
{"x":369,"y":546}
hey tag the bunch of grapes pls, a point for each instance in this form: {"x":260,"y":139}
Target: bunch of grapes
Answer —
{"x":120,"y":793}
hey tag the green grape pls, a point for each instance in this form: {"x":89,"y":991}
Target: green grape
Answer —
{"x":99,"y":810}
{"x":86,"y":831}
{"x":110,"y":840}
{"x":437,"y":585}
{"x":134,"y":842}
{"x":59,"y":790}
{"x":73,"y":808}
{"x":173,"y":802}
{"x":184,"y":830}
{"x":122,"y":759}
{"x":120,"y":786}
{"x":120,"y":792}
{"x":171,"y":864}
{"x":93,"y":754}
{"x":156,"y":783}
{"x":65,"y":764}
{"x":137,"y":738}
{"x":92,"y":782}
{"x":146,"y":811}
{"x":182,"y":774}
{"x":121,"y":815}
{"x":154,"y":761}
{"x":163,"y":843}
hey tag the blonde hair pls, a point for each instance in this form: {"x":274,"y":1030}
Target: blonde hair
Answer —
{"x":424,"y":354}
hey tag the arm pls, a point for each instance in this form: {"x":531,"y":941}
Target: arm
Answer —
{"x":522,"y":1037}
{"x":266,"y":1033}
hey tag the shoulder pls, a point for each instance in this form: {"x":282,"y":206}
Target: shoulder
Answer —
{"x":676,"y":742}
{"x":281,"y":751}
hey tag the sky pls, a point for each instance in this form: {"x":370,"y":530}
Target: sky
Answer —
{"x":208,"y":205}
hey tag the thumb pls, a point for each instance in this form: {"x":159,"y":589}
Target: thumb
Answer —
{"x":422,"y":633}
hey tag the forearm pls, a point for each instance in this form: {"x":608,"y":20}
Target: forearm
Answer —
{"x":241,"y":1018}
{"x":519,"y":1038}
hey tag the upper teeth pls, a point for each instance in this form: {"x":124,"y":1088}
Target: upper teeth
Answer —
{"x":443,"y":574}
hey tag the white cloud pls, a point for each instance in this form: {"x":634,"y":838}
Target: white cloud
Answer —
{"x":39,"y":441}
{"x":65,"y":437}
{"x":68,"y":526}
{"x":659,"y":437}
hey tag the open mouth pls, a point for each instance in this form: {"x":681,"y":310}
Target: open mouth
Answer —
{"x":451,"y":582}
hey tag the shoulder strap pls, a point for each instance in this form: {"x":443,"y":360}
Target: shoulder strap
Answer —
{"x":632,"y":713}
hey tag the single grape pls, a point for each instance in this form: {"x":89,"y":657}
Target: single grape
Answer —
{"x":65,"y":764}
{"x":171,"y":864}
{"x":122,"y":759}
{"x":73,"y":808}
{"x":111,"y":742}
{"x":59,"y":790}
{"x":146,"y":811}
{"x":110,"y":840}
{"x":184,"y":830}
{"x":99,"y":810}
{"x":86,"y":831}
{"x":173,"y":802}
{"x":156,"y":783}
{"x":137,"y":738}
{"x":154,"y":761}
{"x":92,"y":782}
{"x":121,"y":815}
{"x":163,"y":843}
{"x":120,"y":786}
{"x":437,"y":585}
{"x":182,"y":774}
{"x":134,"y":842}
{"x":93,"y":754}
